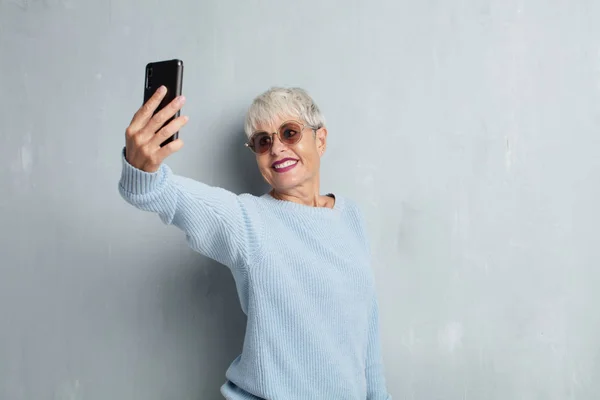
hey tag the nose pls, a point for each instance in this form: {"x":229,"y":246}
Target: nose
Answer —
{"x":277,"y":146}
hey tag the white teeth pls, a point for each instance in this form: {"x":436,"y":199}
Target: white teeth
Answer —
{"x":285,"y":164}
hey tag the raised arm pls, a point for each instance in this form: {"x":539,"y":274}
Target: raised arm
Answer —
{"x":217,"y":223}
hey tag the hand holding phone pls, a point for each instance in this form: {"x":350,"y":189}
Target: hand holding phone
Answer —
{"x":152,"y":134}
{"x":169,"y":74}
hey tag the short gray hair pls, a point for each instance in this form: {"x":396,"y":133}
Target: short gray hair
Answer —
{"x":280,"y":101}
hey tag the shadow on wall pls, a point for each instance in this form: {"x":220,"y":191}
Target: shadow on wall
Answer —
{"x":248,"y":178}
{"x":237,"y":163}
{"x":206,"y":325}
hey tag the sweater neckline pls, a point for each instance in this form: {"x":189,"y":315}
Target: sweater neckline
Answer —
{"x":338,"y":204}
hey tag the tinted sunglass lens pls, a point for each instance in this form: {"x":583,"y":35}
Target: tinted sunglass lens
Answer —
{"x":290,"y":133}
{"x":262,"y":143}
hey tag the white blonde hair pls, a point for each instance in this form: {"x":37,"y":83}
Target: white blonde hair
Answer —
{"x":279,"y":102}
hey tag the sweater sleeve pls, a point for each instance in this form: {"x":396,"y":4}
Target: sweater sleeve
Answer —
{"x":215,"y":221}
{"x":376,"y":384}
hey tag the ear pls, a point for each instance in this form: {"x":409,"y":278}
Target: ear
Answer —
{"x":321,"y":140}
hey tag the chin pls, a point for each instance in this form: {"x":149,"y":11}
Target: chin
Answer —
{"x":285,"y":183}
{"x":283,"y":186}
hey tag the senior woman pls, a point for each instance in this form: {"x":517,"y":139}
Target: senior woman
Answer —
{"x":300,"y":259}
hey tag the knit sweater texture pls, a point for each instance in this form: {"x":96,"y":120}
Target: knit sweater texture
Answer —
{"x":303,"y":277}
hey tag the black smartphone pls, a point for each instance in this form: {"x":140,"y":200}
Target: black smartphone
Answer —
{"x":170,"y":74}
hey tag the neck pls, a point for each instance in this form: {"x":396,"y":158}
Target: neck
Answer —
{"x":308,"y":195}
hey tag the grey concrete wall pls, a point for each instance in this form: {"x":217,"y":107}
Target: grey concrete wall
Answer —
{"x":468,"y":131}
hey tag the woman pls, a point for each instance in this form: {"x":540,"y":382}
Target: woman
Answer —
{"x":300,"y":260}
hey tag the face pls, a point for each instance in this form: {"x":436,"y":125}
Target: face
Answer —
{"x":286,"y":167}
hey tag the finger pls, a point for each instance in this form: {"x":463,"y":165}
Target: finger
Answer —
{"x":169,"y":130}
{"x":158,"y":120}
{"x":145,"y":112}
{"x":169,"y":149}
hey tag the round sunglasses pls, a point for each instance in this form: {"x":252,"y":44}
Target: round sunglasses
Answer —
{"x":290,"y":133}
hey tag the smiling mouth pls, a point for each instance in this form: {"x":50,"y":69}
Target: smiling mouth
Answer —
{"x":285,"y":165}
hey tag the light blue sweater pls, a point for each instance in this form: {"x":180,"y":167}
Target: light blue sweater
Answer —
{"x":303,"y":277}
